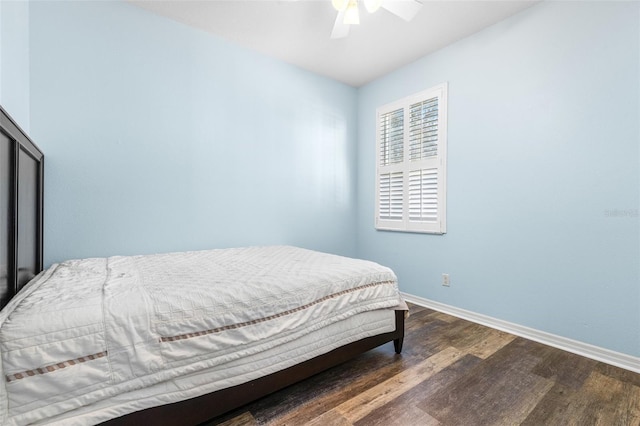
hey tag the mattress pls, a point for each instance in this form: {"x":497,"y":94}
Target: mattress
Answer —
{"x":233,"y":373}
{"x":91,"y":330}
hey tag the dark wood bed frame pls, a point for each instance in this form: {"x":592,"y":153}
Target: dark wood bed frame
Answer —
{"x":21,"y":258}
{"x":21,"y":208}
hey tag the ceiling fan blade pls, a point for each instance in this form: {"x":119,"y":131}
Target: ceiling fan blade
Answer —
{"x":340,"y":29}
{"x":406,"y":9}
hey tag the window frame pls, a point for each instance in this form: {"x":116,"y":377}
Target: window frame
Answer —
{"x":406,"y":166}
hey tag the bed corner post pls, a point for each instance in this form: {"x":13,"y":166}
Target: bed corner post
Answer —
{"x":397,"y":343}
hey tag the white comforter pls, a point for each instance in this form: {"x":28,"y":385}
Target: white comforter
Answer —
{"x":87,"y":330}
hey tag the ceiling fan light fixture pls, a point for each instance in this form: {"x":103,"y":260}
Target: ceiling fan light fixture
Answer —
{"x":339,"y":5}
{"x":372,"y":5}
{"x":351,"y":14}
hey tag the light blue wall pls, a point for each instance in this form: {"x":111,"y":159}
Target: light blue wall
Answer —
{"x":543,"y":174}
{"x":159,"y":137}
{"x":14,"y":60}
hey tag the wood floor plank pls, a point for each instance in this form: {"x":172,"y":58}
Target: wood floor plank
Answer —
{"x":628,"y":410}
{"x":419,"y":320}
{"x":328,"y":418}
{"x":553,"y":408}
{"x":618,"y":373}
{"x":502,"y":392}
{"x":337,"y":386}
{"x":602,"y":400}
{"x":360,"y":405}
{"x":565,"y":368}
{"x":408,"y":415}
{"x":602,"y":396}
{"x":243,"y":419}
{"x":467,"y":334}
{"x":492,"y":341}
{"x":433,"y":337}
{"x":388,"y":413}
{"x":442,"y":316}
{"x":519,"y":347}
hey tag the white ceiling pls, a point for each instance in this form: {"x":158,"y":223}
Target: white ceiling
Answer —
{"x":298,"y":32}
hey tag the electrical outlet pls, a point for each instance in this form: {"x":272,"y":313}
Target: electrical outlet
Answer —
{"x":445,"y":280}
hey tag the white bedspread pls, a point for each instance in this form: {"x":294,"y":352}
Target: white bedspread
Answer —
{"x":87,"y":330}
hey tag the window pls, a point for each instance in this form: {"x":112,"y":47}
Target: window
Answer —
{"x":411,"y":147}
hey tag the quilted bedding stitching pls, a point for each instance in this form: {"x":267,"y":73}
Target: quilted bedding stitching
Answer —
{"x":270,"y":317}
{"x":54,"y":367}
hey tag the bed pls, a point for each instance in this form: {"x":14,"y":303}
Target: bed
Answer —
{"x":173,"y":338}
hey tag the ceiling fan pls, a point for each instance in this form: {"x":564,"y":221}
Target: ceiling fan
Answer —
{"x":348,"y":13}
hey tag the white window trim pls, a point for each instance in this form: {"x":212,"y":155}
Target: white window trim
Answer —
{"x":438,"y":162}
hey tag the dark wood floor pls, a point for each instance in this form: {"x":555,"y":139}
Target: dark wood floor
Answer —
{"x":455,"y":372}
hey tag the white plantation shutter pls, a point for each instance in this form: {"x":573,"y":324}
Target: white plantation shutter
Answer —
{"x":411,"y":144}
{"x":391,"y":201}
{"x":423,"y":195}
{"x":423,"y":129}
{"x":392,"y":137}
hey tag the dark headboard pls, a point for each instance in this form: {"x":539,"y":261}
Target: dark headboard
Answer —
{"x":21,"y":208}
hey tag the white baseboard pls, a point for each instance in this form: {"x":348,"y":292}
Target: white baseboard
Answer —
{"x":597,"y":353}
